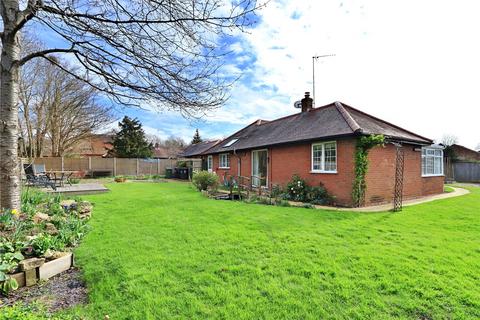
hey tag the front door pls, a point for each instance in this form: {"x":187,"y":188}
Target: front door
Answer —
{"x":259,"y":168}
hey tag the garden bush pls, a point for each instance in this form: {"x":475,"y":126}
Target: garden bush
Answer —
{"x":205,"y":180}
{"x":319,"y":195}
{"x":120,"y":179}
{"x":74,"y":180}
{"x":297,"y":189}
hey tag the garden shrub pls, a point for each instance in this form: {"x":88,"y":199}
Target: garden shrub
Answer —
{"x":120,"y":179}
{"x":319,"y":195}
{"x":282,"y":203}
{"x":277,"y":191}
{"x":297,"y":189}
{"x":74,"y":180}
{"x":204,"y":180}
{"x":182,"y":164}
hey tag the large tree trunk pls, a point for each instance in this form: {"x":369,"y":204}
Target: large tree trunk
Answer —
{"x":9,"y":161}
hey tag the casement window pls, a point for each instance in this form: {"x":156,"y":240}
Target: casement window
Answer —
{"x":432,"y":162}
{"x":224,"y":161}
{"x":324,"y":157}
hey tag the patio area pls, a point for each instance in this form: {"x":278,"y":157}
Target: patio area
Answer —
{"x":79,"y":189}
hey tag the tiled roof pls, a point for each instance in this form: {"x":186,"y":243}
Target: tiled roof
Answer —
{"x":198,"y":148}
{"x":330,"y":121}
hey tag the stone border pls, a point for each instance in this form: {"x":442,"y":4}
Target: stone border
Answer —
{"x":44,"y":271}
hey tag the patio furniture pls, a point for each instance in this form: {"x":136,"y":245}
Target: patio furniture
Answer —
{"x":40,"y":179}
{"x":60,"y":177}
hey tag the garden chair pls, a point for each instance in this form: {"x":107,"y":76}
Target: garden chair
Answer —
{"x":57,"y":177}
{"x":39,"y":179}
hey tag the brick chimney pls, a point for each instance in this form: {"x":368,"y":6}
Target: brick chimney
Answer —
{"x":307,"y":102}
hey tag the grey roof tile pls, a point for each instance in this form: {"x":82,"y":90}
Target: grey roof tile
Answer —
{"x":333,"y":120}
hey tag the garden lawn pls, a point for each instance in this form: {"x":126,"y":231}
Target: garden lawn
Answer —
{"x":163,"y":251}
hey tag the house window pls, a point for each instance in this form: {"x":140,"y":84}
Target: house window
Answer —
{"x":432,"y":162}
{"x":324,"y":157}
{"x":224,"y":161}
{"x":209,"y":163}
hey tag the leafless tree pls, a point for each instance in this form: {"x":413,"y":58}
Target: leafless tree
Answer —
{"x":56,"y":109}
{"x":141,"y":52}
{"x":449,"y":139}
{"x":173,"y":146}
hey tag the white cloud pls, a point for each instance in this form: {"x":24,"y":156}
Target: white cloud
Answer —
{"x":414,"y":63}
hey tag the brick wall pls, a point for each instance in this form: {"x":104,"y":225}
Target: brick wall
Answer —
{"x":296,"y":159}
{"x":285,"y":161}
{"x":381,"y":176}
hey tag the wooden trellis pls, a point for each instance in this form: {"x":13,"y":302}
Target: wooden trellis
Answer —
{"x":399,"y":167}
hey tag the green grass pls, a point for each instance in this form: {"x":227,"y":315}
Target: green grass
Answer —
{"x":162,"y":251}
{"x":448,"y":189}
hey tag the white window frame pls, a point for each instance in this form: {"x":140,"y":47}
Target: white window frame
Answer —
{"x":221,"y":161}
{"x":209,"y":163}
{"x":322,"y":163}
{"x":435,"y":157}
{"x":251,"y":166}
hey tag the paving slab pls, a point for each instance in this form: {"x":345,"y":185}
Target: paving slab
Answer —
{"x":80,"y":189}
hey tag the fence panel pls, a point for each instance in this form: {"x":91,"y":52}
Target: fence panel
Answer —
{"x":50,"y":163}
{"x":467,"y":171}
{"x":147,"y":166}
{"x":117,"y":166}
{"x":75,"y":164}
{"x":126,"y":166}
{"x":102,"y":164}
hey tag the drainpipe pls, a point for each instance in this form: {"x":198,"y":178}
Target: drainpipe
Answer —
{"x":269,"y":165}
{"x":239,"y":162}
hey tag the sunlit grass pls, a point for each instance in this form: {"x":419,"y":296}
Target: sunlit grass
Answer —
{"x":162,"y":251}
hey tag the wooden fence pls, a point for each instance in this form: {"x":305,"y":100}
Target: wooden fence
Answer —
{"x":116,"y":166}
{"x":466,"y":171}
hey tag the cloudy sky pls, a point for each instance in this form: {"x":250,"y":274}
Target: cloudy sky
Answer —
{"x":413,"y":63}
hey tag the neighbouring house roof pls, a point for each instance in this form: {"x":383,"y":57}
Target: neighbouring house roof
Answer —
{"x":330,"y":121}
{"x":464,"y":153}
{"x":160,"y":153}
{"x":198,"y":148}
{"x":96,"y":145}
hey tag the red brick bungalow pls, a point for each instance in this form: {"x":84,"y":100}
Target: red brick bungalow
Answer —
{"x":318,"y":144}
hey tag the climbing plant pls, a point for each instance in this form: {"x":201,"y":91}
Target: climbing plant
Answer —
{"x":364,"y":144}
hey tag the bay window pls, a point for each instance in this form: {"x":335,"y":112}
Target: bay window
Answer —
{"x":432,"y":162}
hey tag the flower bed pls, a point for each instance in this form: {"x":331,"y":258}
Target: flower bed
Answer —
{"x":36,"y":242}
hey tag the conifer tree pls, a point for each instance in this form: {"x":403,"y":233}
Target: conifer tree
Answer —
{"x":130,"y":141}
{"x":196,"y":137}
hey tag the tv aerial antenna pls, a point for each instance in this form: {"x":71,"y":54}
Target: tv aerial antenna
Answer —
{"x":314,"y":59}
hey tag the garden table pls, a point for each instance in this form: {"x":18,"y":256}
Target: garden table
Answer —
{"x":60,"y":176}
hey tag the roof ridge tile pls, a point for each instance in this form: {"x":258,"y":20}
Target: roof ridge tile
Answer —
{"x":348,"y":117}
